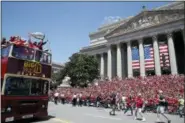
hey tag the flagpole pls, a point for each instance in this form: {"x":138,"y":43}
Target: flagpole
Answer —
{"x":49,"y":47}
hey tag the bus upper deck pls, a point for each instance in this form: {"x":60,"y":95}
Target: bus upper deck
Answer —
{"x":26,"y":53}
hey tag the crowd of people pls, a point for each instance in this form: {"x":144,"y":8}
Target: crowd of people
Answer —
{"x":127,"y":91}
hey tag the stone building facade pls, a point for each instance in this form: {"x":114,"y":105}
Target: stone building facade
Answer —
{"x":56,"y":67}
{"x":112,"y":44}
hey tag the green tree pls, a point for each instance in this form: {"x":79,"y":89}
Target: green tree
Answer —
{"x":55,"y":80}
{"x":82,"y":69}
{"x":61,"y":75}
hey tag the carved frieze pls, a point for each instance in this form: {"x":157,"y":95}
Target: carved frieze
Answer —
{"x":146,"y":20}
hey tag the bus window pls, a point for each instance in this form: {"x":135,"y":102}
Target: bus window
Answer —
{"x":46,"y":87}
{"x":39,"y":87}
{"x":46,"y":58}
{"x":25,"y":86}
{"x":38,"y":55}
{"x":22,"y":52}
{"x":35,"y":88}
{"x":43,"y":57}
{"x":17,"y":86}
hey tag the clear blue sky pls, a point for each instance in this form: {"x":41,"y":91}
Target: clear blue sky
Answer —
{"x":66,"y":24}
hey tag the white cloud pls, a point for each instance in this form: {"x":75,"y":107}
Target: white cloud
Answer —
{"x":111,"y":19}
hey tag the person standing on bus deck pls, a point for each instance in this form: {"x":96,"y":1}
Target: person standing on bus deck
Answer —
{"x":40,"y":47}
{"x":56,"y":97}
{"x":139,"y":107}
{"x":161,"y":107}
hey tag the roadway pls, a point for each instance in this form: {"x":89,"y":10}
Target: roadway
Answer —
{"x":68,"y":114}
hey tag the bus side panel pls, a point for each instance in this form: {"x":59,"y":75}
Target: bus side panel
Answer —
{"x":4,"y":63}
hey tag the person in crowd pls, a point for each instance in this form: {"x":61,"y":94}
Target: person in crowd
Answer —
{"x":80,"y":99}
{"x":118,"y":101}
{"x":74,"y":100}
{"x":129,"y":104}
{"x":113,"y":104}
{"x":98,"y":99}
{"x":181,"y":106}
{"x":139,"y":107}
{"x":88,"y":102}
{"x":161,"y":107}
{"x":123,"y":102}
{"x":62,"y":96}
{"x":56,"y":97}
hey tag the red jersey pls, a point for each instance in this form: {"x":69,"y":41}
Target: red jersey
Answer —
{"x":129,"y":101}
{"x":139,"y":102}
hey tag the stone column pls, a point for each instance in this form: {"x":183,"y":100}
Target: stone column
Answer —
{"x":129,"y":60}
{"x":172,"y":55}
{"x":109,"y":65}
{"x":141,"y":58}
{"x":183,"y":36}
{"x":102,"y":66}
{"x":119,"y":63}
{"x":156,"y":56}
{"x":99,"y":64}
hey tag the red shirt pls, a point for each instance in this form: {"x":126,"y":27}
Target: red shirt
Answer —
{"x":19,"y":42}
{"x":139,"y":102}
{"x":129,"y":101}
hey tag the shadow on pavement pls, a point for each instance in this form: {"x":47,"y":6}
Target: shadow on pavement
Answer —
{"x":34,"y":120}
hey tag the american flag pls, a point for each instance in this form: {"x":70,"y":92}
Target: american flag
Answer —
{"x":163,"y":49}
{"x":135,"y":58}
{"x":149,"y":56}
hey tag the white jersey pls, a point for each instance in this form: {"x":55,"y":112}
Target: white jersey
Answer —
{"x":74,"y":96}
{"x":56,"y":94}
{"x":123,"y":99}
{"x":80,"y":95}
{"x":62,"y":95}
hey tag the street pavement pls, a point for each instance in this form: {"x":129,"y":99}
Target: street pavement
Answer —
{"x":68,"y":114}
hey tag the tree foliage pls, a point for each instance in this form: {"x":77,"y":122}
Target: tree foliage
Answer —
{"x":82,"y":69}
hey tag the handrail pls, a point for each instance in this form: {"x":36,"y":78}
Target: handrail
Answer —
{"x":35,"y":51}
{"x":25,"y":46}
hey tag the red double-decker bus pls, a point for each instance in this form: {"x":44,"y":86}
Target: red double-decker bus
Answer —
{"x":25,"y":79}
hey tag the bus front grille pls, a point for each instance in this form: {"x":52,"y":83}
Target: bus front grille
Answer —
{"x":28,"y":109}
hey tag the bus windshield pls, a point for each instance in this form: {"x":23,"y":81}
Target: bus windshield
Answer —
{"x":26,"y":53}
{"x":17,"y":86}
{"x":23,"y":52}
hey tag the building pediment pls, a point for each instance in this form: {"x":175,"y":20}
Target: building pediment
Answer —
{"x":147,"y":19}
